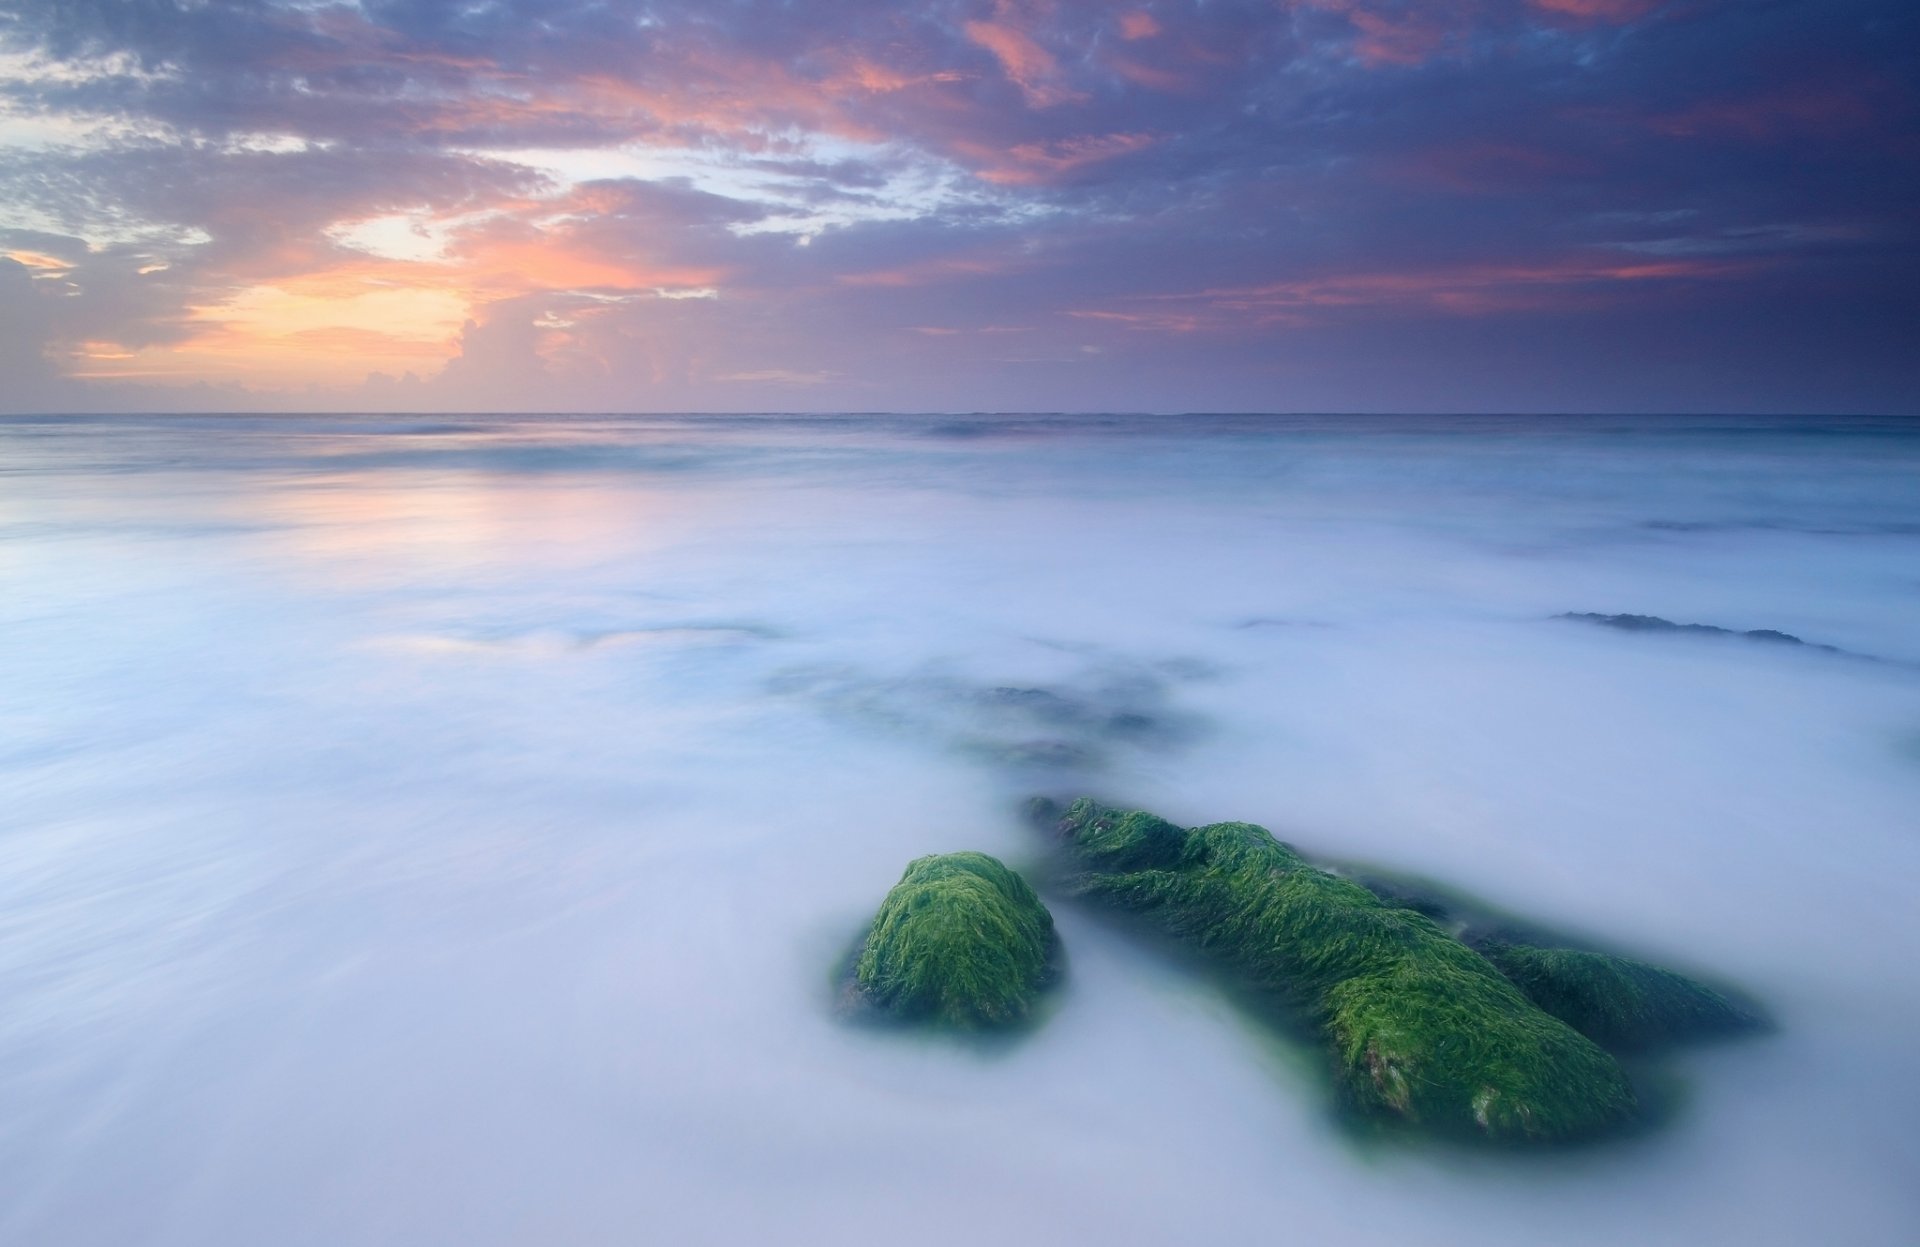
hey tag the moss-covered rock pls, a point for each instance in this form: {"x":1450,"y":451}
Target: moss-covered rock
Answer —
{"x":960,"y":941}
{"x":1621,"y":1004}
{"x":1421,"y":1027}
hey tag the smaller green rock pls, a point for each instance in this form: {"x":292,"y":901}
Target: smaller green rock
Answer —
{"x":960,"y":941}
{"x":1620,"y":1004}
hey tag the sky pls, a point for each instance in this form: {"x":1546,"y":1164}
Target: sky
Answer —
{"x":960,"y":205}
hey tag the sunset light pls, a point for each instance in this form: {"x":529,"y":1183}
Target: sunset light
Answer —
{"x":311,"y":204}
{"x":959,"y":623}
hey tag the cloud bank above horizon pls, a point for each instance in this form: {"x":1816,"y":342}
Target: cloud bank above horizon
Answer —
{"x":960,"y":205}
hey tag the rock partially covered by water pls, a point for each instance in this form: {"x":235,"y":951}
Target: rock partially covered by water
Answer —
{"x":1081,"y":723}
{"x":960,"y":941}
{"x":1422,"y":1028}
{"x":1621,"y":1004}
{"x":1653,"y":623}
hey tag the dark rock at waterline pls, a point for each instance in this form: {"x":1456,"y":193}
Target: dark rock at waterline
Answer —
{"x":1127,"y":723}
{"x":961,"y":941}
{"x":1037,"y":755}
{"x":1421,"y":1028}
{"x":1041,"y":703}
{"x":1081,"y":724}
{"x":1653,"y":623}
{"x":1118,"y":711}
{"x":1268,"y":621}
{"x":1621,"y":1004}
{"x":1895,"y":529}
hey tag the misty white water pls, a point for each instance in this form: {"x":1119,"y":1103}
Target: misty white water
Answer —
{"x":444,"y":832}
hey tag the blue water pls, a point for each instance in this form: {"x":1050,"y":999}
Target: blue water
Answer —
{"x":443,"y":829}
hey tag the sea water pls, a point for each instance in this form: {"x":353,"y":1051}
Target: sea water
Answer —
{"x":447,"y":830}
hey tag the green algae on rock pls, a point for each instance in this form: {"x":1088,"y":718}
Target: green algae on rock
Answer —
{"x":1621,"y":1004}
{"x":1422,"y":1028}
{"x":960,"y":941}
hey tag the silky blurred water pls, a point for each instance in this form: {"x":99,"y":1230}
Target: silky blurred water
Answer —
{"x":444,"y":831}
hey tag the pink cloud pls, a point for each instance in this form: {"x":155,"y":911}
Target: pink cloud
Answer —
{"x":1803,"y":109}
{"x":1562,"y":284}
{"x":929,"y":272}
{"x":1617,"y":12}
{"x":1026,"y":64}
{"x":1403,"y":34}
{"x":1032,"y":164}
{"x":858,"y":73}
{"x":1412,"y":32}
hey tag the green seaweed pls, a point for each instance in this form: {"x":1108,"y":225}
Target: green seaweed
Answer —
{"x":1621,"y":1004}
{"x":1421,"y":1027}
{"x":960,"y":941}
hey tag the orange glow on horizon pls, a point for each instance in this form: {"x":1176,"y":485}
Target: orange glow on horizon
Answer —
{"x":332,"y":315}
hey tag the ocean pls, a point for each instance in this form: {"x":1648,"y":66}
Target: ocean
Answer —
{"x":448,"y":830}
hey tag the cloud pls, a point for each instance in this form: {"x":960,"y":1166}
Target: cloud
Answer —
{"x":1804,"y":109}
{"x":1614,"y":11}
{"x":574,"y":203}
{"x":1026,"y":64}
{"x":1577,"y":282}
{"x":30,"y":378}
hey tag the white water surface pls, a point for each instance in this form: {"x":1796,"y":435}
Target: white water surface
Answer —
{"x":426,"y":832}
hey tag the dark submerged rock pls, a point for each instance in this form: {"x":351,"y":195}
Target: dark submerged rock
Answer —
{"x":1083,"y":724}
{"x":1653,"y":623}
{"x":961,"y":941}
{"x":1421,"y":1027}
{"x":1041,"y":755}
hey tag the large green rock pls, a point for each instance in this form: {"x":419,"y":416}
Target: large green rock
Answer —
{"x":960,"y":941}
{"x":1421,"y":1027}
{"x":1621,"y":1004}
